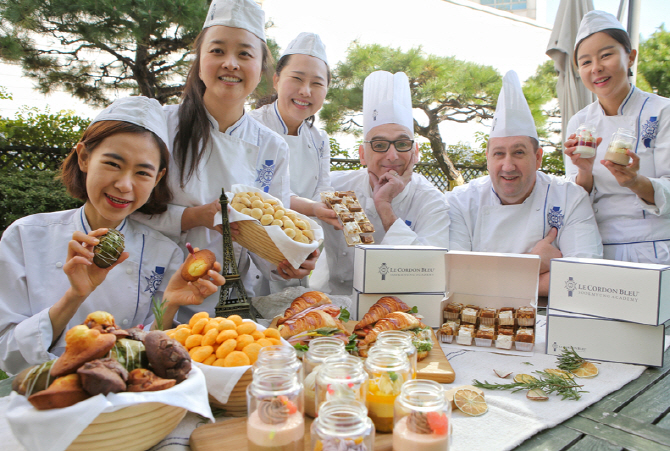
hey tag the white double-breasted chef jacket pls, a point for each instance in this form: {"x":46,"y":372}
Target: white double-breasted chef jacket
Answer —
{"x":33,"y":251}
{"x":246,"y":153}
{"x":309,"y":153}
{"x":423,"y":219}
{"x":481,"y":223}
{"x":631,"y":229}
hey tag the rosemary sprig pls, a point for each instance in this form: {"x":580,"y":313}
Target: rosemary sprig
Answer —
{"x":158,"y":309}
{"x":569,"y":360}
{"x":549,"y":383}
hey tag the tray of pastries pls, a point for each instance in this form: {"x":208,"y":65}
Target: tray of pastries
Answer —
{"x":356,"y":226}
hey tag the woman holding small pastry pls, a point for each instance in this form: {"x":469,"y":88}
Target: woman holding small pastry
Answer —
{"x":215,"y":144}
{"x":631,"y":199}
{"x":56,"y":268}
{"x":301,"y":82}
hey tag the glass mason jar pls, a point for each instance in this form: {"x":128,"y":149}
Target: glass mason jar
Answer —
{"x":319,"y":349}
{"x":586,"y":141}
{"x":622,"y":141}
{"x":275,"y":411}
{"x":402,"y":340}
{"x":422,"y":417}
{"x":343,"y":425}
{"x":279,"y":356}
{"x":341,"y":377}
{"x":387,"y":369}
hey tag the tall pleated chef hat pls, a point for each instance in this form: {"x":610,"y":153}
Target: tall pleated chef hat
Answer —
{"x":595,"y":21}
{"x":307,"y":44}
{"x":138,"y":110}
{"x":387,"y":100}
{"x":245,"y":14}
{"x":512,"y":116}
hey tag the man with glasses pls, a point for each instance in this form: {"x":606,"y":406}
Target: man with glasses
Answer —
{"x":516,"y":208}
{"x":404,"y":207}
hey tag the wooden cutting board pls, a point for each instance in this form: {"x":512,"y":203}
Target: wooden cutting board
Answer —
{"x":232,"y":435}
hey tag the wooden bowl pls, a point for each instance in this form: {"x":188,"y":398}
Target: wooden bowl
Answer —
{"x":237,"y":401}
{"x":133,"y":428}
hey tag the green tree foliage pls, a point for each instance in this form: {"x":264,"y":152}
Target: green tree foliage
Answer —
{"x":30,"y":127}
{"x":28,"y":192}
{"x":92,"y":47}
{"x":444,"y":88}
{"x":654,"y":62}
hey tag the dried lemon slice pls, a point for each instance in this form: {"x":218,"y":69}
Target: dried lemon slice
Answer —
{"x":587,"y":370}
{"x":524,"y":378}
{"x":564,"y":374}
{"x":470,"y":402}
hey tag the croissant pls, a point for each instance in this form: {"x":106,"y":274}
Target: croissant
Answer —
{"x":332,"y":310}
{"x":394,"y":321}
{"x":307,"y":300}
{"x":380,"y":309}
{"x":311,"y":321}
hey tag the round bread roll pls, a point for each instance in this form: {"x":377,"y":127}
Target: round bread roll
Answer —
{"x":246,"y":211}
{"x":253,"y":198}
{"x":278,"y":222}
{"x":304,"y":239}
{"x":238,"y":206}
{"x":279,"y":213}
{"x":269,"y":211}
{"x":257,"y":204}
{"x":288,"y":224}
{"x":299,"y":223}
{"x":266,"y":220}
{"x":272,"y":201}
{"x":289,"y":233}
{"x":244,"y":200}
{"x":256,"y":213}
{"x":298,"y":234}
{"x":309,"y":234}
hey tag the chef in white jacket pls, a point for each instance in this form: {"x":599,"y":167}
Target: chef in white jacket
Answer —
{"x":631,"y":203}
{"x":516,"y":208}
{"x":404,"y":207}
{"x":301,"y":82}
{"x":231,"y":53}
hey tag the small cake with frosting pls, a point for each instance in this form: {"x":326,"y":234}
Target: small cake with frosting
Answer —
{"x":276,"y":425}
{"x":525,"y":316}
{"x":506,"y":316}
{"x":484,"y":335}
{"x":421,"y":431}
{"x":469,"y":314}
{"x":487,"y":316}
{"x":505,"y":337}
{"x":465,"y":334}
{"x":448,"y":330}
{"x":524,"y":338}
{"x":453,"y":311}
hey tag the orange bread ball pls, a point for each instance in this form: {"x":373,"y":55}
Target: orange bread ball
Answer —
{"x":237,"y":319}
{"x":225,"y":335}
{"x":199,"y":326}
{"x":244,"y":340}
{"x":246,"y":328}
{"x":226,"y":324}
{"x":271,"y":333}
{"x":193,"y":341}
{"x":251,"y":350}
{"x":195,"y":318}
{"x":210,"y":337}
{"x":236,"y":358}
{"x":226,"y":348}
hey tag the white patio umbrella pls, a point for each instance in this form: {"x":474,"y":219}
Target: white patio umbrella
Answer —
{"x":572,"y":95}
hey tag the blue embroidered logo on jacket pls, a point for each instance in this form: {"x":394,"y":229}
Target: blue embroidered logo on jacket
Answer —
{"x":555,"y":217}
{"x":265,"y":174}
{"x":154,"y":280}
{"x":649,"y":131}
{"x":408,"y":222}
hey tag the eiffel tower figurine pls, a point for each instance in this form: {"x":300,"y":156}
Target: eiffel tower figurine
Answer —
{"x":240,"y":306}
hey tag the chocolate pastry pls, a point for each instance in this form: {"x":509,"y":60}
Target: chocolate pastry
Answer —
{"x":142,"y":379}
{"x":167,"y":357}
{"x":103,"y":376}
{"x":109,"y":249}
{"x":135,"y":333}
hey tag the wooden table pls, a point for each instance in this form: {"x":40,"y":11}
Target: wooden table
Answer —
{"x":636,"y":417}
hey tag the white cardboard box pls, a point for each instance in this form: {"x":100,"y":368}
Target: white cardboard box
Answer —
{"x":633,"y":292}
{"x":399,"y":269}
{"x":605,"y":339}
{"x":426,"y":304}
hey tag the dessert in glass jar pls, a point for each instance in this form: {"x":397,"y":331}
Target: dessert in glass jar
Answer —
{"x":422,"y":417}
{"x":401,"y":340}
{"x":275,"y":411}
{"x":586,"y":141}
{"x":387,"y":371}
{"x":622,"y":141}
{"x":341,"y":377}
{"x":319,"y":349}
{"x":279,"y":356}
{"x":343,"y":426}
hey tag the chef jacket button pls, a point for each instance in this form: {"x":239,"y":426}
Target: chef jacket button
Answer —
{"x":258,"y":277}
{"x":595,"y":210}
{"x":125,"y":322}
{"x":59,"y":264}
{"x":344,"y":253}
{"x":316,"y":177}
{"x":129,"y":270}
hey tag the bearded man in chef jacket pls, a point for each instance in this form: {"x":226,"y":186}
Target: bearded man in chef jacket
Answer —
{"x":516,"y":208}
{"x":404,"y":207}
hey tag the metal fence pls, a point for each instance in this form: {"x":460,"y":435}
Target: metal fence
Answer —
{"x":429,"y":170}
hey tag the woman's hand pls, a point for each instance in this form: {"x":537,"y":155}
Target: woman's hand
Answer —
{"x":201,"y":216}
{"x":583,"y":164}
{"x":180,"y":292}
{"x":287,"y":271}
{"x":628,"y":177}
{"x":84,"y":275}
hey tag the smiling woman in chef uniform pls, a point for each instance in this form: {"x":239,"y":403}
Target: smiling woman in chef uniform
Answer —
{"x":215,"y":144}
{"x":301,"y":80}
{"x":48,"y":283}
{"x":632,"y":202}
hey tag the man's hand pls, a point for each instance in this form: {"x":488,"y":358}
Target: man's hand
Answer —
{"x":386,"y":188}
{"x":286,"y":271}
{"x":327,"y":215}
{"x":546,"y":251}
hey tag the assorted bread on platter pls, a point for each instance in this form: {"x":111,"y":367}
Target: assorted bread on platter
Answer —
{"x":101,"y":358}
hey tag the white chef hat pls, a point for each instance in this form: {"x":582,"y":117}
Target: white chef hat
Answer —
{"x":512,"y":116}
{"x":307,"y":44}
{"x":138,"y":110}
{"x":595,"y":21}
{"x":387,"y":100}
{"x":245,"y":14}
